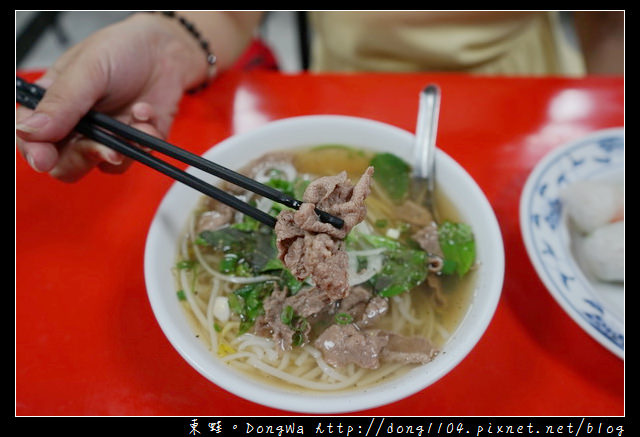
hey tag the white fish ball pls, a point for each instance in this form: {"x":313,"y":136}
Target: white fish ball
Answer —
{"x":603,"y":252}
{"x":591,"y":204}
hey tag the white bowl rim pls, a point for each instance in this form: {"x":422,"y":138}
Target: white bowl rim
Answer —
{"x":314,"y":403}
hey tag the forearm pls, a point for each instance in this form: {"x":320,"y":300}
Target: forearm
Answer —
{"x":228,"y":33}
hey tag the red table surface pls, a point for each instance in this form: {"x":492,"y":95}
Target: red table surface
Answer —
{"x":87,"y":342}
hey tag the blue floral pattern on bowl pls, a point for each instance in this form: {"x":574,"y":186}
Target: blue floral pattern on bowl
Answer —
{"x":546,"y":235}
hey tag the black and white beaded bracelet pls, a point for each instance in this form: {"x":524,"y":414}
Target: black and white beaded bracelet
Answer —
{"x":203,"y":43}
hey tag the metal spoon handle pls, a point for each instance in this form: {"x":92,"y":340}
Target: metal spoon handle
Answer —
{"x":426,"y":129}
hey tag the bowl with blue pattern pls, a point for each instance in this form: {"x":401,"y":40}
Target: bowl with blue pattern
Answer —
{"x":596,"y":306}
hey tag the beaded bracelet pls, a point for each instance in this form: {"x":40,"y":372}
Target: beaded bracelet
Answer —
{"x":211,"y":57}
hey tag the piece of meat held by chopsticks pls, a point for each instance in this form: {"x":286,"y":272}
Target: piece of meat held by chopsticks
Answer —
{"x":312,"y":249}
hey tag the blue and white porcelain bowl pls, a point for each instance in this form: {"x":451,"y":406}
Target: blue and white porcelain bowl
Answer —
{"x":598,"y":307}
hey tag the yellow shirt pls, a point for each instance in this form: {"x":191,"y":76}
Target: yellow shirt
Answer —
{"x":487,"y":42}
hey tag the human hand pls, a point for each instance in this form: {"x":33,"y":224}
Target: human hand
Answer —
{"x":136,"y":71}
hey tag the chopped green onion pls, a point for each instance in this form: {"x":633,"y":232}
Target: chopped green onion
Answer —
{"x":185,"y":264}
{"x":344,"y":318}
{"x":287,"y":315}
{"x":298,"y":338}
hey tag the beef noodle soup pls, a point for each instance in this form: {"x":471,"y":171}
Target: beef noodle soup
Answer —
{"x":316,"y":309}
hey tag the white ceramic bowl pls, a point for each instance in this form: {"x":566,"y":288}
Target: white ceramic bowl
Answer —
{"x":295,"y":132}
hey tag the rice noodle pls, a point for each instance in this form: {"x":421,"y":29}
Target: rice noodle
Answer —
{"x":189,"y":293}
{"x":302,"y":382}
{"x":405,"y":308}
{"x":284,"y":361}
{"x":243,"y":279}
{"x":237,"y":356}
{"x":266,"y":345}
{"x":328,"y":370}
{"x":213,"y":337}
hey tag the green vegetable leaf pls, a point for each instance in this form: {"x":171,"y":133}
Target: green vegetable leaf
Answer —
{"x":404,"y":266}
{"x":448,"y":267}
{"x":290,"y":281}
{"x":247,"y":224}
{"x":246,"y":302}
{"x":293,"y":188}
{"x":252,"y":248}
{"x":275,"y":267}
{"x":404,"y":269}
{"x":282,"y":185}
{"x":458,"y":246}
{"x":379,"y":241}
{"x":224,"y":239}
{"x":392,"y":173}
{"x":271,"y":265}
{"x":299,"y":325}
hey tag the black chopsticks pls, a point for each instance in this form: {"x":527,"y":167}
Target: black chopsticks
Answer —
{"x":110,"y":132}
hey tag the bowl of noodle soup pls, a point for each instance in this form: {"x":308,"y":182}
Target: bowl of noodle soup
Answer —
{"x":210,"y":314}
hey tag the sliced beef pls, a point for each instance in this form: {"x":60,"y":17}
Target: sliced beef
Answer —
{"x":376,"y":307}
{"x":310,"y":248}
{"x":327,"y":262}
{"x":344,"y":344}
{"x":270,"y":323}
{"x":217,"y":215}
{"x":427,"y":238}
{"x":313,"y":255}
{"x":306,"y":303}
{"x":362,"y":306}
{"x":409,"y":350}
{"x":290,"y":244}
{"x":336,"y":195}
